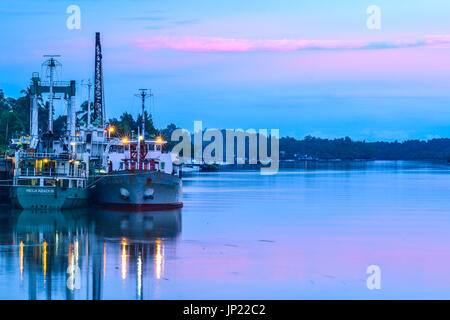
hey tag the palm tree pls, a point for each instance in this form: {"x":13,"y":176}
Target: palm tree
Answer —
{"x":83,"y":113}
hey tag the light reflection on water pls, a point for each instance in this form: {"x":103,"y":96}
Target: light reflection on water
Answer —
{"x":71,"y":254}
{"x":308,"y":232}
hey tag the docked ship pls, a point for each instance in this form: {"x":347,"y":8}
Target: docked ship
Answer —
{"x":49,"y":180}
{"x":84,"y":163}
{"x":129,"y":172}
{"x":52,"y":172}
{"x":139,"y":175}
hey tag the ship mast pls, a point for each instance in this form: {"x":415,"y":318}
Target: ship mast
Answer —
{"x":89,"y":86}
{"x":143,"y":93}
{"x":51,"y":65}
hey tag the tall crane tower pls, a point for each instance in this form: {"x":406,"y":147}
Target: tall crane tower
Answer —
{"x":99,"y":103}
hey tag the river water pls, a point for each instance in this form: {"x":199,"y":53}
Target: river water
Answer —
{"x":304,"y":233}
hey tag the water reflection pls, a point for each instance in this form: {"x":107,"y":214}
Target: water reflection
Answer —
{"x":73,"y":254}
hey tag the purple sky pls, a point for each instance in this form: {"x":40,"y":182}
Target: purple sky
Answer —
{"x":303,"y":67}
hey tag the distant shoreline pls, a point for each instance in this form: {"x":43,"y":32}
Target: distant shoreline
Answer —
{"x":14,"y":120}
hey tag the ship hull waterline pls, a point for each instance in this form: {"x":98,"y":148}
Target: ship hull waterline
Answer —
{"x":137,"y":191}
{"x":32,"y":197}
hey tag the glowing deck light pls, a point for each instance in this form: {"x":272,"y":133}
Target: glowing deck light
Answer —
{"x":159,"y":140}
{"x":45,"y":160}
{"x":125,"y":140}
{"x":73,"y":144}
{"x":141,"y":138}
{"x":112,"y":129}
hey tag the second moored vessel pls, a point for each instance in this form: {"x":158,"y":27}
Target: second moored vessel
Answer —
{"x":137,"y":173}
{"x":139,"y":176}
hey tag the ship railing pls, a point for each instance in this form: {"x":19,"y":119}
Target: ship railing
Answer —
{"x":44,"y":155}
{"x":55,"y":83}
{"x":32,"y":172}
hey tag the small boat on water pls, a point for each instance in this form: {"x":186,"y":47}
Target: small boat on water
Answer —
{"x":209,"y":168}
{"x":190,"y":169}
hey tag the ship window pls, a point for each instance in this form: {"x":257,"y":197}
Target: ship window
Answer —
{"x":63,"y":183}
{"x":24,"y":182}
{"x":49,"y":182}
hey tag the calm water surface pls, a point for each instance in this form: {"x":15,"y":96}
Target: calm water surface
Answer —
{"x":304,"y":233}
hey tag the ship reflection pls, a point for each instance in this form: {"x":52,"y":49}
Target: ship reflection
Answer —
{"x":48,"y":243}
{"x":70,"y":254}
{"x":141,"y":238}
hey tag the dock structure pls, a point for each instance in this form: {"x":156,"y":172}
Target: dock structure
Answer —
{"x":6,"y":174}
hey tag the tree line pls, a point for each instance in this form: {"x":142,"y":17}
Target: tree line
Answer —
{"x":15,"y":121}
{"x":347,"y":149}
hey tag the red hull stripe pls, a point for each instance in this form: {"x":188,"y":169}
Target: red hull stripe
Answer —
{"x":143,"y":206}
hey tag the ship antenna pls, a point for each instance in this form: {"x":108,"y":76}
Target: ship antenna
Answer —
{"x":51,"y":64}
{"x":144,"y":93}
{"x":89,"y":85}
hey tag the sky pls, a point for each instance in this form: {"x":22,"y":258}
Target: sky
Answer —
{"x":303,"y":67}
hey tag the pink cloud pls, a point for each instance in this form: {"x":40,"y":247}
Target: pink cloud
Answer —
{"x":217,"y":44}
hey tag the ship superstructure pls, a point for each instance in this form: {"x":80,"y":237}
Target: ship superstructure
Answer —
{"x":131,"y":172}
{"x":53,"y":171}
{"x":85,"y":161}
{"x":139,"y":173}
